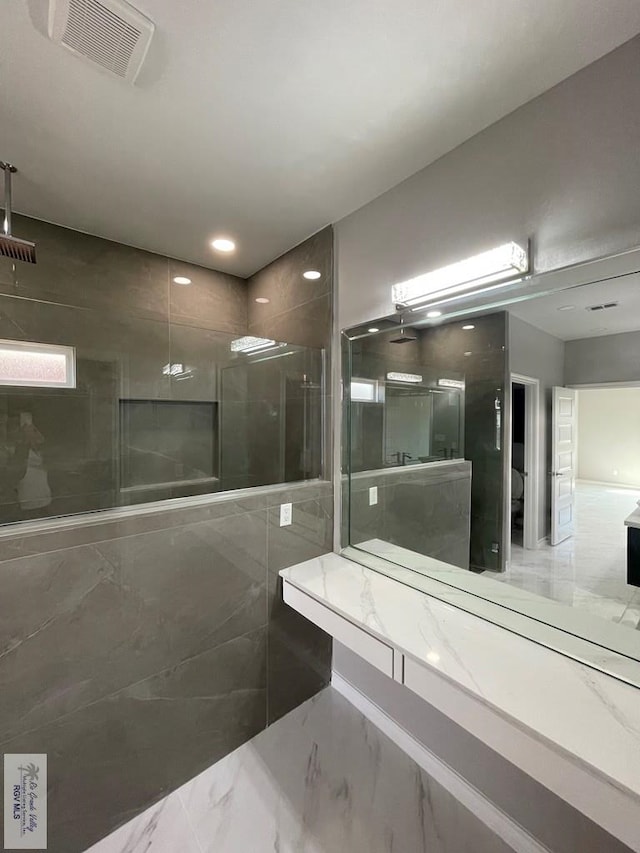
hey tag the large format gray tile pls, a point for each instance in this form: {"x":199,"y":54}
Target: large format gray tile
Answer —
{"x":309,"y":535}
{"x":115,"y":757}
{"x":79,"y":269}
{"x":299,"y":652}
{"x":282,"y":281}
{"x":213,"y":300}
{"x":308,"y":324}
{"x":86,"y":622}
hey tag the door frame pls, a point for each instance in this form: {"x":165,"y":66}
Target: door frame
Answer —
{"x":531,"y":458}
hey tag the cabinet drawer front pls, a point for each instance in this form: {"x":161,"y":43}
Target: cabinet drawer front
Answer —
{"x":374,"y":651}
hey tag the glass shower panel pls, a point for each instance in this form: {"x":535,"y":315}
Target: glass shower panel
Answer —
{"x":271,"y":417}
{"x":158,"y":411}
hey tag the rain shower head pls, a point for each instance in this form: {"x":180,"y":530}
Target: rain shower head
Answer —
{"x":403,"y":339}
{"x":10,"y":246}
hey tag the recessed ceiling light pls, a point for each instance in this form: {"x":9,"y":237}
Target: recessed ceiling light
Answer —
{"x":468,"y":327}
{"x":223,"y":244}
{"x":373,"y":329}
{"x":262,"y":300}
{"x":566,"y":308}
{"x":433,"y":314}
{"x":181,"y":279}
{"x":467,"y":354}
{"x":312,"y":275}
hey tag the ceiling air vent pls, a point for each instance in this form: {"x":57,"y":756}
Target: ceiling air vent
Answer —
{"x":602,"y":307}
{"x":110,"y":33}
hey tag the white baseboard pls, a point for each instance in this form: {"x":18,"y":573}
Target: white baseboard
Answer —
{"x":542,"y":541}
{"x":610,"y":484}
{"x":498,"y":821}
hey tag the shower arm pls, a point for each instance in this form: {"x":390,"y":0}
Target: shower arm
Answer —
{"x":8,"y":171}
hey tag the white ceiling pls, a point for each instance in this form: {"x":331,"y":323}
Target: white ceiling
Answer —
{"x":575,"y":322}
{"x":268,"y":119}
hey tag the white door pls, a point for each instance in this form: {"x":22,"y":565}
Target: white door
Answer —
{"x":563,"y":450}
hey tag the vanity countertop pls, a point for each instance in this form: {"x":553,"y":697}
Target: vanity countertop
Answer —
{"x":587,"y":720}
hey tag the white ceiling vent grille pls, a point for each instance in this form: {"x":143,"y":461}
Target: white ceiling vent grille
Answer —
{"x":110,"y":33}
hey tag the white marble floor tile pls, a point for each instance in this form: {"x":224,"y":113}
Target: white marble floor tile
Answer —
{"x":321,"y":780}
{"x":163,"y":828}
{"x":589,"y":570}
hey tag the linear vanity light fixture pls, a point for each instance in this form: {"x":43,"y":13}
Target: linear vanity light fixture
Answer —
{"x":451,"y":383}
{"x":27,"y":364}
{"x":404,"y":377}
{"x":509,"y":261}
{"x":251,"y":344}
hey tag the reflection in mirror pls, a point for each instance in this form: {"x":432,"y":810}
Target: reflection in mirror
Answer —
{"x":499,"y":452}
{"x":434,"y":418}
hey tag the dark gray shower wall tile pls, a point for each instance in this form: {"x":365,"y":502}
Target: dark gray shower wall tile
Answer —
{"x":203,"y":583}
{"x":233,"y":430}
{"x":282,"y":281}
{"x":213,"y":300}
{"x":308,"y":324}
{"x":82,"y":270}
{"x":309,"y":535}
{"x":110,"y":760}
{"x":202,"y":354}
{"x":157,"y":599}
{"x":133,"y":349}
{"x":366,"y":521}
{"x":91,"y":529}
{"x":76,"y":637}
{"x":299,"y":660}
{"x":308,"y":490}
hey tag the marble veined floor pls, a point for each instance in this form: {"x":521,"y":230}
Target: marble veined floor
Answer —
{"x":321,"y":780}
{"x":588,"y":570}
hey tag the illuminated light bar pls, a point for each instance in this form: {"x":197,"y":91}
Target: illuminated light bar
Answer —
{"x":451,"y":383}
{"x":33,"y":365}
{"x":404,"y":377}
{"x":468,"y":276}
{"x":251,"y":344}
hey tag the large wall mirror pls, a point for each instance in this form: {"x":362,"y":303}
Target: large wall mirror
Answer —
{"x":492,"y":450}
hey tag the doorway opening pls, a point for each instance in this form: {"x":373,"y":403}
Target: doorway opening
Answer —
{"x":525,"y":466}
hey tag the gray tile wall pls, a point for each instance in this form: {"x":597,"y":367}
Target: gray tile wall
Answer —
{"x":425,"y":508}
{"x":135,"y":653}
{"x":136,"y":650}
{"x":299,"y":311}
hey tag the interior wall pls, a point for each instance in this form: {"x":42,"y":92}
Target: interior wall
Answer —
{"x":606,"y":358}
{"x":609,"y":436}
{"x":557,"y":170}
{"x":123,"y":635}
{"x":541,"y":356}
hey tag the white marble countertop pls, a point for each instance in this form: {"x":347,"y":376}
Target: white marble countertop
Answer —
{"x":586,"y":716}
{"x":633,"y":520}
